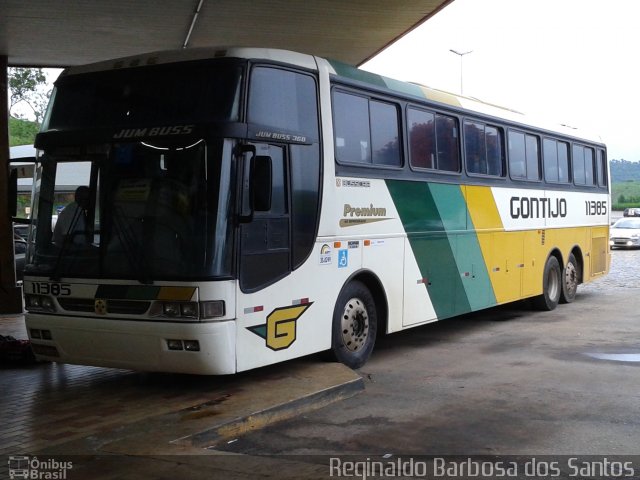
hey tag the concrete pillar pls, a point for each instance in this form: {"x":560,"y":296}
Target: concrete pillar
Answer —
{"x":10,"y":294}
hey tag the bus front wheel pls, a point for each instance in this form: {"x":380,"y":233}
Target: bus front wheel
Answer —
{"x":551,"y":285}
{"x":354,"y":327}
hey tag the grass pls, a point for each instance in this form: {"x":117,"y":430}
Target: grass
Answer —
{"x":625,"y":194}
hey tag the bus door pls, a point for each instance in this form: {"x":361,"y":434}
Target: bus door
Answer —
{"x":264,"y":232}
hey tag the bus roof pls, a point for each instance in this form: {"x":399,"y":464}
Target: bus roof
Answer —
{"x":457,"y":101}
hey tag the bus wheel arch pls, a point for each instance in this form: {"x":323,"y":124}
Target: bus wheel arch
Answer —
{"x":572,"y":275}
{"x":359,"y":313}
{"x":551,"y":283}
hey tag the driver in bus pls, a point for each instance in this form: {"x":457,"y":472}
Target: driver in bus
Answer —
{"x":71,"y":224}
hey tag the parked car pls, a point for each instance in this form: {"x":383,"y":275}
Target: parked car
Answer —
{"x":631,"y":212}
{"x":625,"y":233}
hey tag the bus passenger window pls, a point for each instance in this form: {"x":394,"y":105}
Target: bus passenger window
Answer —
{"x":550,"y":157}
{"x":447,"y":142}
{"x":483,"y":148}
{"x":517,"y":155}
{"x":556,"y":161}
{"x":495,"y":157}
{"x":563,"y":162}
{"x":588,"y":167}
{"x":351,"y":126}
{"x":474,"y":147}
{"x":602,"y":168}
{"x":533,"y":162}
{"x":422,"y":136}
{"x":524,"y":156}
{"x":384,"y":134}
{"x":579,"y":175}
{"x":583,"y":165}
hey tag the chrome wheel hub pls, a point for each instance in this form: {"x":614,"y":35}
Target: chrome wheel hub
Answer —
{"x":354,"y":325}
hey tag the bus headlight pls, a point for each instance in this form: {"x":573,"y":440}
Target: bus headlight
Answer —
{"x":39,"y":303}
{"x":188,"y":310}
{"x":180,"y":309}
{"x":170,"y":309}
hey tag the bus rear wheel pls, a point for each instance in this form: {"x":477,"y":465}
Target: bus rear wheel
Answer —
{"x":354,"y":327}
{"x":551,"y":286}
{"x":570,"y":280}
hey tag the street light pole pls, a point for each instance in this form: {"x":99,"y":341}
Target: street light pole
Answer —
{"x":460,"y":54}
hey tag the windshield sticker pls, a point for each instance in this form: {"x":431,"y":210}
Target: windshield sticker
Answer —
{"x":325,"y":255}
{"x":343,"y":258}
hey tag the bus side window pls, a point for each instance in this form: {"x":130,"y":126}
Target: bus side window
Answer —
{"x":602,"y":168}
{"x":524,"y":156}
{"x":351,"y":126}
{"x":385,"y":134}
{"x":588,"y":167}
{"x":563,"y":162}
{"x":422,"y":138}
{"x":579,"y":176}
{"x":447,"y":142}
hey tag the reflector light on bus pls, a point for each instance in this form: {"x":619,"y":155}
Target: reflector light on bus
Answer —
{"x":213,"y":309}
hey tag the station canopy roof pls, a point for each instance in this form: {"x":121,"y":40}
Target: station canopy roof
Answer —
{"x":60,"y":33}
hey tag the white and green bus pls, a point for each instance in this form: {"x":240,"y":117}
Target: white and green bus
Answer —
{"x":243,"y":207}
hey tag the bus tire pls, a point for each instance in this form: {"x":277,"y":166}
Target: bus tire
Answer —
{"x":570,"y":280}
{"x":354,"y":326}
{"x":551,"y":286}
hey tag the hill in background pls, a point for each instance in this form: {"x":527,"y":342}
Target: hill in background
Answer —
{"x":22,"y":132}
{"x":625,"y":184}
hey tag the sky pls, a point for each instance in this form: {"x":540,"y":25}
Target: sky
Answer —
{"x":572,"y":62}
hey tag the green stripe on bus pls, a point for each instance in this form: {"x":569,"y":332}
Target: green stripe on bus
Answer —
{"x":446,"y":249}
{"x":430,"y":245}
{"x":470,"y":262}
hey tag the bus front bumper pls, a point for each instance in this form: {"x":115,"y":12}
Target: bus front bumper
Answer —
{"x":204,"y":348}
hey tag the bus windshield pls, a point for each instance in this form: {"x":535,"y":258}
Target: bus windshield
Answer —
{"x":151,"y":96}
{"x":143,"y":211}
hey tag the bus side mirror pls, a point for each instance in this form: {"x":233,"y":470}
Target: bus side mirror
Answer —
{"x":260,"y":183}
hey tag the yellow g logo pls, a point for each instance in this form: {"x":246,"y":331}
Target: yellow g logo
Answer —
{"x":280,"y":329}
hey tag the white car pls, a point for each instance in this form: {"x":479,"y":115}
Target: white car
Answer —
{"x":625,"y":233}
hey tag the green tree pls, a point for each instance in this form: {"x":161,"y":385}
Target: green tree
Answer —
{"x":22,"y":132}
{"x":28,"y":86}
{"x":622,"y":199}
